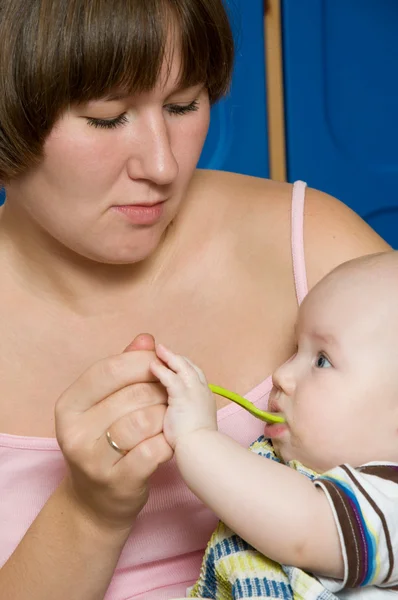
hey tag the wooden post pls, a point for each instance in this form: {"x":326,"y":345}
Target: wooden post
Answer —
{"x":275,"y":89}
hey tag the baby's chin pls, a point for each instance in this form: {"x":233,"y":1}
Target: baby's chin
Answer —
{"x":287,"y":454}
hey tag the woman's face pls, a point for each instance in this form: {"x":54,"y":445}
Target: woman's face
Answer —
{"x":115,"y":170}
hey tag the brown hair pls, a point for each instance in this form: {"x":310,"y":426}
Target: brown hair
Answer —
{"x":54,"y":53}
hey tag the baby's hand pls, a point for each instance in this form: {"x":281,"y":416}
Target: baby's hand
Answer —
{"x":191,"y":403}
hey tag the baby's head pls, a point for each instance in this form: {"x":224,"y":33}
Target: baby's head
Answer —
{"x":339,"y":392}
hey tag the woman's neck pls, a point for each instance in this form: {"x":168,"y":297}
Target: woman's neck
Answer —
{"x":39,"y":264}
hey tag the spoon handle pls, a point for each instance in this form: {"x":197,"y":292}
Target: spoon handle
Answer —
{"x":268,"y":417}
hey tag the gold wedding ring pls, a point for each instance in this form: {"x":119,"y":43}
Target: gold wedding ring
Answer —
{"x":114,"y":445}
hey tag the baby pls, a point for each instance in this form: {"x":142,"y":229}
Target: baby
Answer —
{"x":320,"y":519}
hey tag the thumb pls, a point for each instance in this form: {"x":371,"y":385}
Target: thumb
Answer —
{"x":143,"y":341}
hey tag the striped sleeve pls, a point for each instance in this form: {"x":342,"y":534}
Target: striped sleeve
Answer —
{"x":364,"y":502}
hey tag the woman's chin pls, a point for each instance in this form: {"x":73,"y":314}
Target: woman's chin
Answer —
{"x":122,"y":252}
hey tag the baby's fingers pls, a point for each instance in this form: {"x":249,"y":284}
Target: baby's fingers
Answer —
{"x":173,"y":361}
{"x":199,"y":373}
{"x":188,"y":372}
{"x":165,"y":375}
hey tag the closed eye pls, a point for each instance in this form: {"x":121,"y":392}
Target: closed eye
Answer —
{"x":172,"y":109}
{"x":108,"y":123}
{"x":182,"y":109}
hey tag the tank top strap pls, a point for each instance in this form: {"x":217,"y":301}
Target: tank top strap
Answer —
{"x":298,"y":256}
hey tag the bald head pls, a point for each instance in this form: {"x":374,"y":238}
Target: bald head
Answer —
{"x":359,"y":299}
{"x":369,"y":281}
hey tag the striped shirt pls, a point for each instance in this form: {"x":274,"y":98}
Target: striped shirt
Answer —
{"x":364,"y":502}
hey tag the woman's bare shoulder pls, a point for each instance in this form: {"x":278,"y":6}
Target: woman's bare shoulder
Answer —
{"x":250,"y":203}
{"x":235,"y":188}
{"x":333,"y":233}
{"x":247,"y":216}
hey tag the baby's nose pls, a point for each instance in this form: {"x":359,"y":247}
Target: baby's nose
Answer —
{"x":283,"y":378}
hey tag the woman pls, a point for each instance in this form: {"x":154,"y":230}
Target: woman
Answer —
{"x":108,"y":231}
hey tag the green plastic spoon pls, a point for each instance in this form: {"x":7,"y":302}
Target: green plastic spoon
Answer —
{"x":268,"y":417}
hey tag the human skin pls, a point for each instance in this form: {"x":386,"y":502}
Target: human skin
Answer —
{"x":340,"y":389}
{"x":79,"y":282}
{"x":339,"y":398}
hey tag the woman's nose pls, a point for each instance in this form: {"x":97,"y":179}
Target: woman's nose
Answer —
{"x":284,"y":378}
{"x":153,"y":157}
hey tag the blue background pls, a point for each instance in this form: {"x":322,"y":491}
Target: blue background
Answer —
{"x":341,"y":94}
{"x":238,"y":135}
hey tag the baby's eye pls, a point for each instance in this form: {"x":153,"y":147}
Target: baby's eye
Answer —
{"x":322,"y":362}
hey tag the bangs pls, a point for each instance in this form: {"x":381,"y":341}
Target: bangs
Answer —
{"x":88,"y":49}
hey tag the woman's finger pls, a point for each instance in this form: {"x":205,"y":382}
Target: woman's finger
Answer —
{"x":140,"y":396}
{"x":144,"y":459}
{"x":129,"y":431}
{"x":104,"y":378}
{"x":143,"y":341}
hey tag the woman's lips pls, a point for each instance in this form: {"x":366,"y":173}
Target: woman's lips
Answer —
{"x":142,"y":214}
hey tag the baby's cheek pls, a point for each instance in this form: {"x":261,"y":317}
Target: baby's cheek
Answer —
{"x":305,"y":439}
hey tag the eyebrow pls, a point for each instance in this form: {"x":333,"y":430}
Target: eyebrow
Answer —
{"x":325,"y":338}
{"x":116,"y":96}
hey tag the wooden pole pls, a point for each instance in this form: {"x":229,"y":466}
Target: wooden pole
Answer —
{"x":275,"y":90}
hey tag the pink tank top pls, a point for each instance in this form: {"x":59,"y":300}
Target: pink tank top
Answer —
{"x":162,"y":557}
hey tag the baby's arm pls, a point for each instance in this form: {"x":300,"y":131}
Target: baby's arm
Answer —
{"x":274,"y":508}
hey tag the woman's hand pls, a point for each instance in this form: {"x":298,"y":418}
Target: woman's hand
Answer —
{"x":118,"y":395}
{"x":191,"y":404}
